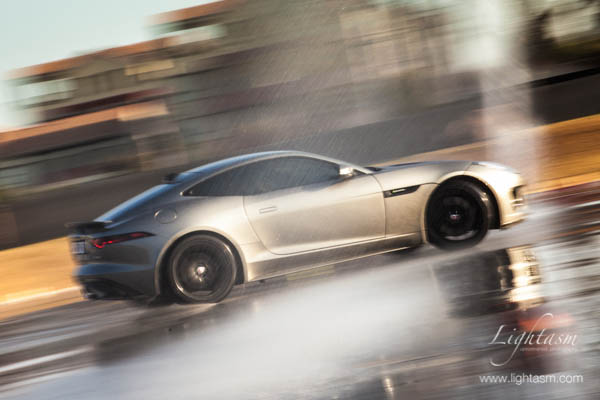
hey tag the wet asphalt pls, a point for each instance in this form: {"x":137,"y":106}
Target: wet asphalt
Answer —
{"x":412,"y":324}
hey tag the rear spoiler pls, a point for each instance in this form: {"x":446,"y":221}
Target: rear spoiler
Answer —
{"x":85,"y":228}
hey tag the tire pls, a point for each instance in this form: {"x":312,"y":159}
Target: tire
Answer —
{"x":202,"y":269}
{"x":459,"y":215}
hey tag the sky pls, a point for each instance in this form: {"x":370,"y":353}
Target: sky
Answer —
{"x":39,"y":31}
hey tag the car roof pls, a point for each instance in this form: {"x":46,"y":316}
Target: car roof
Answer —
{"x":233,"y":161}
{"x":227,"y":163}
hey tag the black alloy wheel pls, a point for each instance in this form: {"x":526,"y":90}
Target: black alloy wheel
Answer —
{"x":202,"y":269}
{"x":459,"y":215}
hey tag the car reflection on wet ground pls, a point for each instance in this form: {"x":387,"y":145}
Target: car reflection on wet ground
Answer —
{"x":419,"y":324}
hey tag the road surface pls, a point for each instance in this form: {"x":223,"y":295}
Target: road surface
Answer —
{"x":418,"y":324}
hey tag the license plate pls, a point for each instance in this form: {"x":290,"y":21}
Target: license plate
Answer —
{"x":78,"y":247}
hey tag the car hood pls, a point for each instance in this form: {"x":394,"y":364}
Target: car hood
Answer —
{"x":418,"y":173}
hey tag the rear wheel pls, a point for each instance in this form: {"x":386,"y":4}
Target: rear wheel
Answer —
{"x":458,"y":215}
{"x":202,"y":269}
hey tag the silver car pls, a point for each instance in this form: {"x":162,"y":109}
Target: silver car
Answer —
{"x":260,"y":215}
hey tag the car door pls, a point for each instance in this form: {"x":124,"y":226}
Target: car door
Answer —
{"x":305,"y":205}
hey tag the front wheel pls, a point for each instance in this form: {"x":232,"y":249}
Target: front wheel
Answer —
{"x":458,"y":215}
{"x":202,"y":269}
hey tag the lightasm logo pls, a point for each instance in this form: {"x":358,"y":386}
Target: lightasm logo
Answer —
{"x":533,"y":338}
{"x":519,"y":379}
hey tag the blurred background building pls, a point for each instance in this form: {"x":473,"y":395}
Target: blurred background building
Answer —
{"x":365,"y":80}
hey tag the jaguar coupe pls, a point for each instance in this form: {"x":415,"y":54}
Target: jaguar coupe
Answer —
{"x":257,"y":216}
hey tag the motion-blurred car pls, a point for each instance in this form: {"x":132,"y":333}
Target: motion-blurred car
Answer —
{"x":261,"y":215}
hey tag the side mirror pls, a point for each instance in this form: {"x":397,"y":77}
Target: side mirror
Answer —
{"x":346,"y":171}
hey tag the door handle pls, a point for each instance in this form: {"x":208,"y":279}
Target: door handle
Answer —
{"x":267,"y":209}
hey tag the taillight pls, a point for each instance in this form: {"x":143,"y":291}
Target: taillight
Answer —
{"x":103,"y":241}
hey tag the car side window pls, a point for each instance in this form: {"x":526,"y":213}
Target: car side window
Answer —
{"x":288,"y":172}
{"x":266,"y":176}
{"x":237,"y":181}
